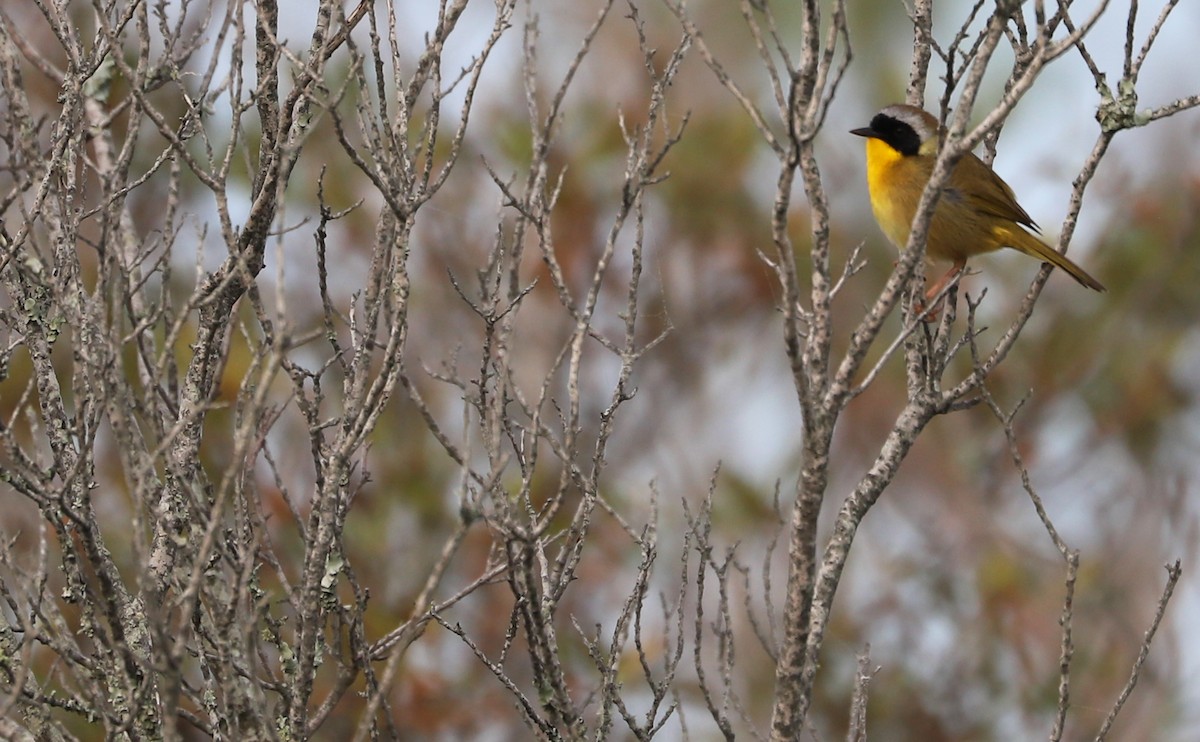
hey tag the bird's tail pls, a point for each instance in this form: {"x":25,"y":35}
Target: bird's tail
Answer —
{"x":1030,"y":245}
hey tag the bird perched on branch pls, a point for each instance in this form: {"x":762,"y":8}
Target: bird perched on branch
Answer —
{"x":977,"y":212}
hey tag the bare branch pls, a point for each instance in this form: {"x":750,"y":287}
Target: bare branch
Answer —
{"x":1173,"y":573}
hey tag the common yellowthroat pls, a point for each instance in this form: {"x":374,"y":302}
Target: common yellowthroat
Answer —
{"x":977,"y":212}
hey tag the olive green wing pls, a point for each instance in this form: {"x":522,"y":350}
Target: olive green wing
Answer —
{"x":987,"y":192}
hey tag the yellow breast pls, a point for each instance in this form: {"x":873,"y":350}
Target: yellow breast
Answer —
{"x":895,"y":183}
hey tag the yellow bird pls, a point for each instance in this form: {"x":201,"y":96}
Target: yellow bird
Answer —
{"x":977,"y":212}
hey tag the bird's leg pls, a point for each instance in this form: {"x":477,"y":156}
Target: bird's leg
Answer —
{"x":931,"y":314}
{"x":958,"y":267}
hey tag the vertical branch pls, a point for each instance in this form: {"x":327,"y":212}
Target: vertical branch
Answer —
{"x":807,"y":341}
{"x":858,"y":701}
{"x":923,"y":44}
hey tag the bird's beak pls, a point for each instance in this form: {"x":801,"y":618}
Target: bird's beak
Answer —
{"x":866,"y":131}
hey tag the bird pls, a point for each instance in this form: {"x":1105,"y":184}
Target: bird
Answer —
{"x":977,"y":212}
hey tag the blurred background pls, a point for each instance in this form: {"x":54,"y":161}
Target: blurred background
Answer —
{"x":953,"y":581}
